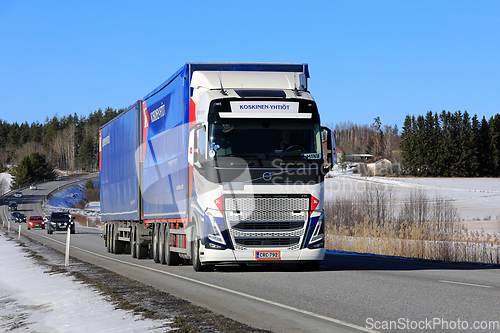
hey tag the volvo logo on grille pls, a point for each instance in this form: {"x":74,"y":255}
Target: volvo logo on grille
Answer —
{"x":267,"y":176}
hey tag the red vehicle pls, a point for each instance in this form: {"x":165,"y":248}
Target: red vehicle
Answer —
{"x":36,"y":221}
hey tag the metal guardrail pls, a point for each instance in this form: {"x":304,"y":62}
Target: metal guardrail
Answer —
{"x":46,"y":197}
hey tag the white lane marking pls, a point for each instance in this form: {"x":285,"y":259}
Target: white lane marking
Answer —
{"x":333,"y":320}
{"x":466,"y":284}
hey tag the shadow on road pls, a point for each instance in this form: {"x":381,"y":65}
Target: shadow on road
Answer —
{"x":359,"y":262}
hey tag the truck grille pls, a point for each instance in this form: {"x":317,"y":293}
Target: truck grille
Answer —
{"x":266,"y":220}
{"x":268,"y":225}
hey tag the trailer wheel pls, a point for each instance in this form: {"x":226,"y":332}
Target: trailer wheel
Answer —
{"x":108,"y":238}
{"x":161,"y":244}
{"x":156,"y":243}
{"x":105,"y":235}
{"x":141,"y":251}
{"x":132,"y":242}
{"x":118,"y":246}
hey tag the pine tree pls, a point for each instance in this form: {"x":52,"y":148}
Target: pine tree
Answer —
{"x":475,"y":147}
{"x":485,"y":148}
{"x":408,"y":145}
{"x":32,"y":168}
{"x":495,"y":143}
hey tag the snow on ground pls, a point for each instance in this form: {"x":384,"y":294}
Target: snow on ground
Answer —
{"x":34,"y":301}
{"x":5,"y":182}
{"x":65,"y":200}
{"x":477,"y":200}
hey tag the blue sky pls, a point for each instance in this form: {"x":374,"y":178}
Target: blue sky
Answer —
{"x":367,"y":59}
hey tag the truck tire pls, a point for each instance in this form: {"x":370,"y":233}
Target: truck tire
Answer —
{"x":156,"y":242}
{"x":197,"y":265}
{"x":141,"y":251}
{"x":161,"y":244}
{"x":112,"y":239}
{"x":105,"y":235}
{"x":171,"y":258}
{"x":108,"y":237}
{"x":118,"y":246}
{"x":133,"y":250}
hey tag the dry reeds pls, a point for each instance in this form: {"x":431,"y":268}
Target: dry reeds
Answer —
{"x":372,"y":222}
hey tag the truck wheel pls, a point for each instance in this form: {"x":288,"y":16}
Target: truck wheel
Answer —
{"x":171,"y":258}
{"x":109,"y":235}
{"x":196,"y":255}
{"x":141,"y":251}
{"x":161,"y":244}
{"x":118,"y":246}
{"x":197,"y":266}
{"x":112,"y":239}
{"x":105,"y":235}
{"x":156,"y":243}
{"x":133,"y":250}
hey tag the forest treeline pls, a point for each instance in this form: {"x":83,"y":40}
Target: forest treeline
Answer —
{"x":444,"y":144}
{"x":451,"y":145}
{"x":375,"y":139}
{"x":69,"y":143}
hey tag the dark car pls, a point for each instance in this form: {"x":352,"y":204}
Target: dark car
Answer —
{"x":14,"y":215}
{"x":20,"y":218}
{"x":12,"y":206}
{"x":60,"y":221}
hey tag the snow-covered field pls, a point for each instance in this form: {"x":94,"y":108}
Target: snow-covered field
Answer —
{"x":34,"y":301}
{"x":476,"y":200}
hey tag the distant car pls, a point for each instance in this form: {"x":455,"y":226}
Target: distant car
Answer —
{"x":46,"y":219}
{"x":14,"y":215}
{"x":12,"y":206}
{"x":35,"y":221}
{"x":20,"y":218}
{"x":60,"y":221}
{"x":18,"y":194}
{"x":33,"y":187}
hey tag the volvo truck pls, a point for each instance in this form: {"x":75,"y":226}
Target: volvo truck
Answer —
{"x":223,"y":163}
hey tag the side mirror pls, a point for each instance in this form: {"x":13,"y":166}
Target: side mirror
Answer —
{"x":329,"y":149}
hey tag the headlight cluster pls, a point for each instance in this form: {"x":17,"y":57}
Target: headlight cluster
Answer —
{"x":217,"y":235}
{"x":318,"y":236}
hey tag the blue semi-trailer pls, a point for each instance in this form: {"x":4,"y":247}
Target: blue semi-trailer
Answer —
{"x":223,"y":163}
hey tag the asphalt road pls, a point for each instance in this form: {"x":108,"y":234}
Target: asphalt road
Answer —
{"x":349,"y":293}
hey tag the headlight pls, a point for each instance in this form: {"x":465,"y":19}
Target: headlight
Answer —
{"x":319,"y":231}
{"x":217,"y":235}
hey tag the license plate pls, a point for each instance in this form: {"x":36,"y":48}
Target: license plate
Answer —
{"x":267,"y":255}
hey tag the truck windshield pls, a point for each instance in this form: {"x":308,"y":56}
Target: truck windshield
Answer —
{"x":265,"y":140}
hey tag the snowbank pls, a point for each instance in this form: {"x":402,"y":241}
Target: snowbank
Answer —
{"x":33,"y":301}
{"x":5,"y":182}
